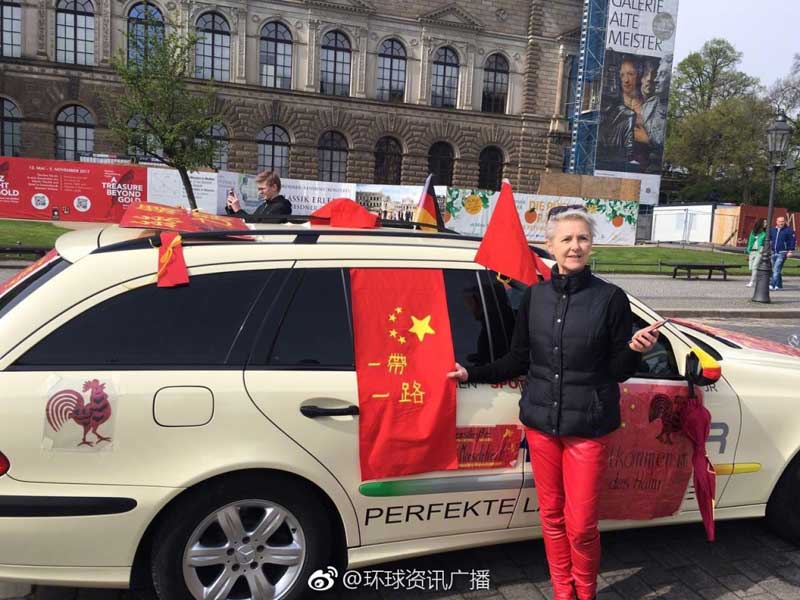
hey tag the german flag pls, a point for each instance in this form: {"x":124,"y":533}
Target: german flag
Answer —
{"x":427,"y":209}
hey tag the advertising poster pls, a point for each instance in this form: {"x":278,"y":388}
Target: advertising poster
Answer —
{"x":68,"y":191}
{"x":639,"y":51}
{"x":391,"y":202}
{"x":468,"y":212}
{"x":164,"y":186}
{"x":307,"y":196}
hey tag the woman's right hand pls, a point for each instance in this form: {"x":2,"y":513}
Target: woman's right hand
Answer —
{"x":460,"y":374}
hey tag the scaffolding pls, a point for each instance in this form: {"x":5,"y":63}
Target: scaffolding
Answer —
{"x":588,"y":92}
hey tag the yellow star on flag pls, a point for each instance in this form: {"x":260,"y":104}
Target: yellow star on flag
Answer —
{"x":398,"y":310}
{"x":392,"y":318}
{"x":401,"y":339}
{"x":421,"y":327}
{"x":393,"y":333}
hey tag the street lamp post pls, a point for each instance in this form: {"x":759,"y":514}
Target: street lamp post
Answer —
{"x":777,"y":145}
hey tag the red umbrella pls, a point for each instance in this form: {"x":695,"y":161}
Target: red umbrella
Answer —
{"x":696,"y":424}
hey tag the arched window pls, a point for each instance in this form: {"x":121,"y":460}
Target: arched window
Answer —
{"x":275,"y":56}
{"x":10,"y":139}
{"x":74,"y":132}
{"x":490,"y":168}
{"x":332,"y":157}
{"x":392,"y":71}
{"x":495,"y":84}
{"x":145,"y":28}
{"x":273,"y":150}
{"x":444,"y":85}
{"x":10,"y":28}
{"x":75,"y":32}
{"x":440,"y":163}
{"x":212,"y":54}
{"x":144,"y":146}
{"x":388,"y":161}
{"x":219,"y":133}
{"x":334,"y":77}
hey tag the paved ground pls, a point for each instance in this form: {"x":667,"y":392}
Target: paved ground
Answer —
{"x":664,"y":293}
{"x":670,"y":563}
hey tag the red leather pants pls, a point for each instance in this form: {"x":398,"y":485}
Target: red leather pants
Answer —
{"x":567,"y":473}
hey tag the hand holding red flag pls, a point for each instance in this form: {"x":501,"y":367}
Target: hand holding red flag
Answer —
{"x":505,"y":248}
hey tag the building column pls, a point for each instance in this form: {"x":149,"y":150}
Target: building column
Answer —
{"x":425,"y":51}
{"x":241,"y":34}
{"x":361,"y":70}
{"x":312,"y":64}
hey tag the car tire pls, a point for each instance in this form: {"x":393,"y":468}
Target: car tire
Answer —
{"x":239,"y":535}
{"x":783,"y":511}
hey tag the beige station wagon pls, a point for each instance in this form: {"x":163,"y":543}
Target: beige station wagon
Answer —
{"x":203,"y":439}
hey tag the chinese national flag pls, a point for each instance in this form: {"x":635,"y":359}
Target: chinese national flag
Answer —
{"x":403,"y":348}
{"x":504,"y":247}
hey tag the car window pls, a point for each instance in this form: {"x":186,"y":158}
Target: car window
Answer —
{"x":315,"y":330}
{"x":659,"y":363}
{"x":502,"y":303}
{"x":472,"y":342}
{"x":192,"y":325}
{"x":19,"y":292}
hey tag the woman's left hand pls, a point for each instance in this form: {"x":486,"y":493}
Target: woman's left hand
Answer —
{"x":643,"y":340}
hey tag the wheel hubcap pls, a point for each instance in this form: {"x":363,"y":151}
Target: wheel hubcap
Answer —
{"x":247,"y":550}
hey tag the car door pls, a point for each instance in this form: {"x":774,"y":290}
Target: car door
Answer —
{"x":661,"y":368}
{"x":124,"y":387}
{"x":305,"y":358}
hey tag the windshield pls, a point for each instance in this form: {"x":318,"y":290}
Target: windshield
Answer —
{"x":23,"y":284}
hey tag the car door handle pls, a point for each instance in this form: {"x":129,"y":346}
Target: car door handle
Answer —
{"x":312,"y":412}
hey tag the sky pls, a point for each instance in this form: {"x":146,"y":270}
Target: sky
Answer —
{"x":765,"y":31}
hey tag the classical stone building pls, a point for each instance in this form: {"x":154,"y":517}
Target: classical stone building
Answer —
{"x":355,"y":90}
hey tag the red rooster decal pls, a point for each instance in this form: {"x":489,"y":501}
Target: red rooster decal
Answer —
{"x":69,"y":404}
{"x":668,"y":410}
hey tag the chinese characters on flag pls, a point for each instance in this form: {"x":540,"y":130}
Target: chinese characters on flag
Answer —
{"x":404,"y":349}
{"x":149,"y":215}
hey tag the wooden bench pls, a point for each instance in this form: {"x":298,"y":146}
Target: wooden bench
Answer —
{"x":689,"y":267}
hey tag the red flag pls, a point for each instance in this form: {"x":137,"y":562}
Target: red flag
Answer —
{"x":504,"y":247}
{"x":403,"y":348}
{"x":427,"y":209}
{"x":149,"y":215}
{"x":696,"y":424}
{"x":343,"y":212}
{"x":172,"y":269}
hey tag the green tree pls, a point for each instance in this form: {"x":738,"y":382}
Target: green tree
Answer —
{"x":158,"y":114}
{"x":722,"y":148}
{"x":705,"y":78}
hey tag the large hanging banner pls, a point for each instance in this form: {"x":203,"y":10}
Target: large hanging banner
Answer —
{"x":68,"y":191}
{"x":637,"y":73}
{"x":391,"y":202}
{"x":307,"y":196}
{"x":164,"y":186}
{"x":468,"y":212}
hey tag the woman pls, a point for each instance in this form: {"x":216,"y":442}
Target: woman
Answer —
{"x":573,"y":338}
{"x":754,"y":246}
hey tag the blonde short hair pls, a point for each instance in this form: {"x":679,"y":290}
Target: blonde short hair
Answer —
{"x":570,"y":215}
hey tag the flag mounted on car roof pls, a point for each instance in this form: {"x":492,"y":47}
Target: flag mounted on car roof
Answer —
{"x":504,"y":247}
{"x":427,"y":208}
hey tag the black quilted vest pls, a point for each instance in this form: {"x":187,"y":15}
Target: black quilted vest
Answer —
{"x":570,"y":389}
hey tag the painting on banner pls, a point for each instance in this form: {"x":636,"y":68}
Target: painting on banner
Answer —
{"x":389,"y":202}
{"x":58,"y":190}
{"x":636,"y":83}
{"x":467,"y":211}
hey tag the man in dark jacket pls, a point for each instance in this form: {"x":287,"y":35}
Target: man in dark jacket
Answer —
{"x":782,"y":242}
{"x":274,"y":205}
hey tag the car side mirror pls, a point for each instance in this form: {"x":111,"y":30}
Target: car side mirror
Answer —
{"x":701,"y":367}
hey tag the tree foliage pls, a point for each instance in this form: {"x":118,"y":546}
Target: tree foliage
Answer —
{"x":708,"y":77}
{"x":157,"y":114}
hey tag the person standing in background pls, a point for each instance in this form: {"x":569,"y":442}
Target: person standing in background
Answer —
{"x":782,"y":242}
{"x":754,"y":247}
{"x":274,"y":205}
